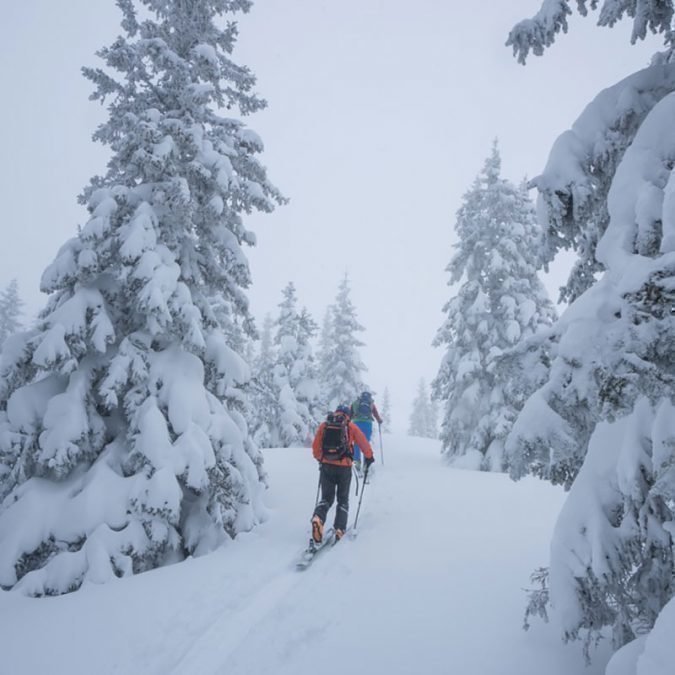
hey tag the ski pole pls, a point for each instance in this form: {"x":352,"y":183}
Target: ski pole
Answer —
{"x":379,"y":428}
{"x":318,"y":488}
{"x":365,"y":475}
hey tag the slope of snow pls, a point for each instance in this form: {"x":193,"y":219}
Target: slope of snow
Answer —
{"x":432,"y":584}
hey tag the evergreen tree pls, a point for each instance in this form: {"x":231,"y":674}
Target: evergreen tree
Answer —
{"x":323,"y":355}
{"x":118,"y":399}
{"x":499,"y":303}
{"x":432,"y":429}
{"x":263,"y":401}
{"x":341,"y":365}
{"x":11,"y":308}
{"x":422,"y":419}
{"x":603,"y":423}
{"x":237,"y":390}
{"x":295,"y":389}
{"x":307,"y":385}
{"x":385,"y":413}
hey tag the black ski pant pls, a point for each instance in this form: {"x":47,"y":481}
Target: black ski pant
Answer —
{"x":334,"y":477}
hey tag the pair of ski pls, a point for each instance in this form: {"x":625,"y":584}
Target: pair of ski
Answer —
{"x":329,"y":540}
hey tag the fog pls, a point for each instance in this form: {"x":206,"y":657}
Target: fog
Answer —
{"x":381,"y":112}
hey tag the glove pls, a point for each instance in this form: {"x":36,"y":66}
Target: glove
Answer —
{"x":369,"y":461}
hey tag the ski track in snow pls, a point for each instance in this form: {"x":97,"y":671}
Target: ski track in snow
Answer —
{"x":226,"y":634}
{"x":432,"y":584}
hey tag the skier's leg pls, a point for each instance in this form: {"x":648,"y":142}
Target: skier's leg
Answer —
{"x":357,"y":450}
{"x":367,"y":429}
{"x":327,"y":492}
{"x":344,"y":480}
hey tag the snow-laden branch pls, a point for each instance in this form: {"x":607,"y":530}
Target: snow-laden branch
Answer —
{"x":573,"y":188}
{"x":540,"y":31}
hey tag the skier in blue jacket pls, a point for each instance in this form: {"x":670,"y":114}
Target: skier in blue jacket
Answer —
{"x":364,"y":411}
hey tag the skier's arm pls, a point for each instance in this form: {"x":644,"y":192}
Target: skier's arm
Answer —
{"x":316,"y":444}
{"x":360,"y":440}
{"x":376,"y":414}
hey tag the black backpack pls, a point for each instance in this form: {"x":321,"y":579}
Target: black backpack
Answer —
{"x":364,"y":408}
{"x":335,"y":442}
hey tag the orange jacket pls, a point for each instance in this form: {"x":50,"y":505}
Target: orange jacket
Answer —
{"x":354,"y":434}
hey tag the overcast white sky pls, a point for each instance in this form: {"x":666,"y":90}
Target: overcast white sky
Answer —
{"x":380,"y":114}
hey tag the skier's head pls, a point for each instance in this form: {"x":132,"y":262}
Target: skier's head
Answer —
{"x":366,"y":396}
{"x":344,"y":409}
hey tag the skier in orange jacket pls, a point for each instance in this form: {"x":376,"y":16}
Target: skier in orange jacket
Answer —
{"x":333,"y":447}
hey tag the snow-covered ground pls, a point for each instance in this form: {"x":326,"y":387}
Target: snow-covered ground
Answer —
{"x":432,"y":584}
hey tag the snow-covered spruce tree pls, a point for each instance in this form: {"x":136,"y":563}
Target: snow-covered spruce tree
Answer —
{"x":11,"y":308}
{"x":307,"y":376}
{"x":120,"y":452}
{"x":432,"y":426}
{"x":263,"y":401}
{"x":341,"y":366}
{"x":604,"y":421}
{"x":500,"y":302}
{"x":294,"y":380}
{"x":323,"y":354}
{"x":237,"y":391}
{"x":422,"y":422}
{"x":419,"y":413}
{"x":385,"y":413}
